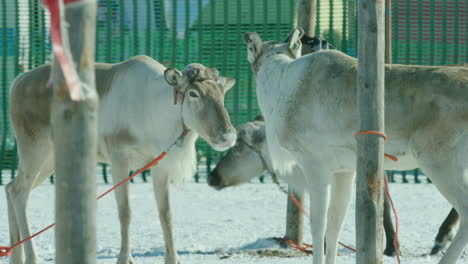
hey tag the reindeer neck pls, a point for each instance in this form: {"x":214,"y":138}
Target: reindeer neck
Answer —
{"x":270,"y":77}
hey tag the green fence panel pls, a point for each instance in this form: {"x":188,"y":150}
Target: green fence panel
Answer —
{"x":178,"y":32}
{"x":9,"y":34}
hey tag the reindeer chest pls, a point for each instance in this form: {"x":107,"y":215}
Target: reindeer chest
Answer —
{"x":119,"y":147}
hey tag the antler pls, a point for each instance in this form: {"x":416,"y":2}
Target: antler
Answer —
{"x":196,"y":72}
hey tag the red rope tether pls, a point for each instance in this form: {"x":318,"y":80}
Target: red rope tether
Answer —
{"x":373,"y":132}
{"x":304,"y":248}
{"x":395,"y":238}
{"x":296,"y":246}
{"x":7,"y":251}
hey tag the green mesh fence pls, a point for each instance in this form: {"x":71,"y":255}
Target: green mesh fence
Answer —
{"x":178,"y":32}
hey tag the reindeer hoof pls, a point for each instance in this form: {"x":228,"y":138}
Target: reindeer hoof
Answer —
{"x":123,"y":261}
{"x":171,"y":260}
{"x":389,"y":252}
{"x":436,"y":249}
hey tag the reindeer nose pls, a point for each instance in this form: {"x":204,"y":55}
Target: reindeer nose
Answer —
{"x":229,"y":137}
{"x":225,"y":140}
{"x":214,"y":180}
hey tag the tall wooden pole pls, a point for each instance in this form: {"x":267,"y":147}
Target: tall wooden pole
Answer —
{"x":295,"y":217}
{"x":74,"y":128}
{"x":306,"y":13}
{"x":370,"y":151}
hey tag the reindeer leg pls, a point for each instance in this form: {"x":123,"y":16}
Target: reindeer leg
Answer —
{"x":456,"y":248}
{"x":319,"y":199}
{"x":18,"y":196}
{"x":340,"y":197}
{"x":161,"y":191}
{"x":120,"y":171}
{"x":18,"y":191}
{"x":446,"y":232}
{"x":455,"y":190}
{"x":389,"y":231}
{"x":17,"y":256}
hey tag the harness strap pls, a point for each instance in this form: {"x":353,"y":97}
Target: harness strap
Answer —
{"x":176,"y":95}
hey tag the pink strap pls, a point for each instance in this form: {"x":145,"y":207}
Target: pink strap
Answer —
{"x":63,"y":57}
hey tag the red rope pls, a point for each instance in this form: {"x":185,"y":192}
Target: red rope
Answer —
{"x":378,"y":134}
{"x":305,"y":246}
{"x":298,"y":204}
{"x":149,"y":165}
{"x":301,"y":208}
{"x":296,"y":246}
{"x":348,"y":247}
{"x":7,"y":251}
{"x":395,"y":238}
{"x":371,"y":132}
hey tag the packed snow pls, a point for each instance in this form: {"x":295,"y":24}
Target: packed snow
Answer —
{"x":235,"y":225}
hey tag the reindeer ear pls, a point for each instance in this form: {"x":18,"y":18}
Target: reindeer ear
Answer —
{"x":259,"y":118}
{"x":254,"y":45}
{"x":294,"y":43}
{"x":173,"y":76}
{"x":227,"y":83}
{"x":258,"y":136}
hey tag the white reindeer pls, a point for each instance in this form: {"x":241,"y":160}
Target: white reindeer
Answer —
{"x":250,"y":158}
{"x":137,"y":121}
{"x":309,"y":104}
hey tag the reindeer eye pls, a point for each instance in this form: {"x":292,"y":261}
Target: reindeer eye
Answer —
{"x":193,"y":94}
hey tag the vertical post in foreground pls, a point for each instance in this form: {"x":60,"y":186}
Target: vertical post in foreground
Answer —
{"x":74,"y":128}
{"x":295,"y":217}
{"x":306,"y":13}
{"x":370,"y":154}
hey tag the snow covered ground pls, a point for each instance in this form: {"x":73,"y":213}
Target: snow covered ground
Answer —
{"x":230,"y":226}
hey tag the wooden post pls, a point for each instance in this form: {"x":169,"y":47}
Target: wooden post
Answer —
{"x":306,"y":10}
{"x":295,"y":217}
{"x":370,"y":151}
{"x":74,"y":129}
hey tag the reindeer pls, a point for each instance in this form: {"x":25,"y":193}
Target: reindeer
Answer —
{"x":446,"y":230}
{"x":250,"y":158}
{"x":137,"y":121}
{"x":309,"y":104}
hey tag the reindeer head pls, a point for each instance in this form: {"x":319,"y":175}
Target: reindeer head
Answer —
{"x":246,"y":160}
{"x":258,"y":51}
{"x":203,"y":109}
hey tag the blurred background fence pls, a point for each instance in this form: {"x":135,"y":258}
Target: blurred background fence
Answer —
{"x":178,"y":32}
